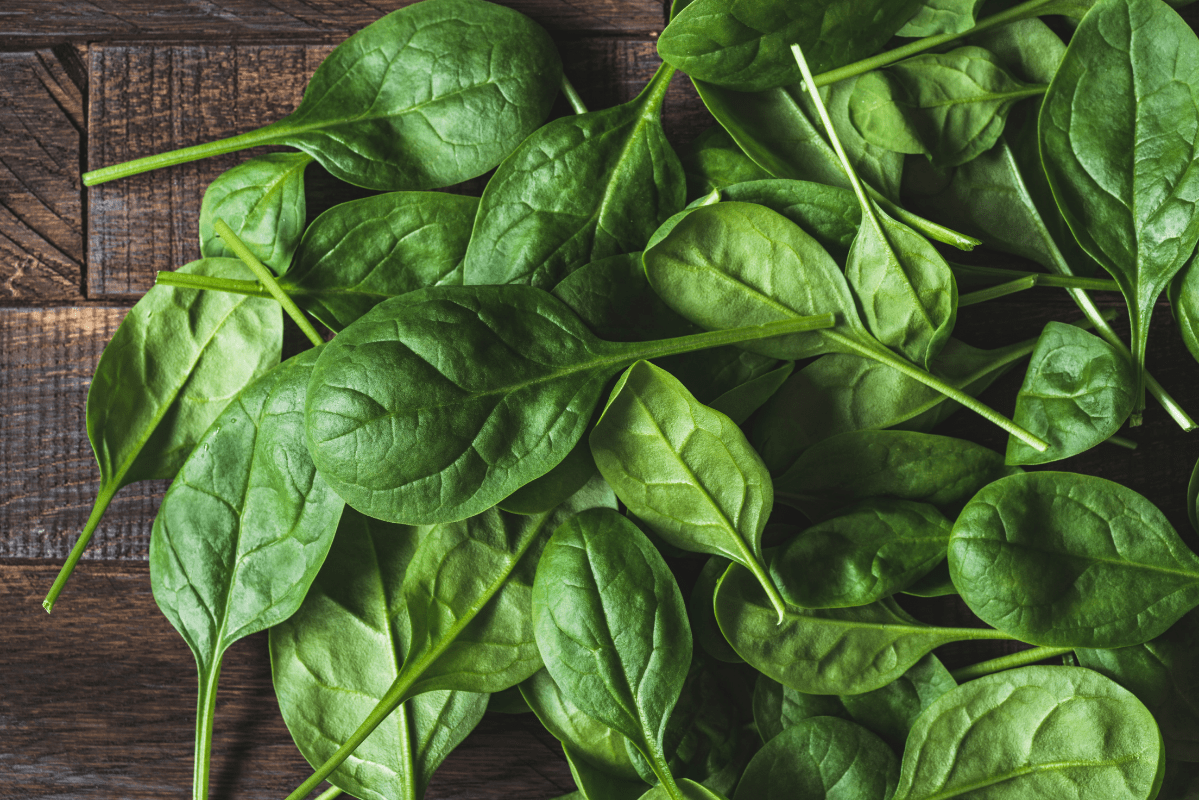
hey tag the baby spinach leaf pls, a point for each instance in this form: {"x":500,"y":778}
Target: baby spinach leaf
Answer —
{"x":827,"y":651}
{"x":178,"y":357}
{"x":1028,"y":48}
{"x":744,"y":45}
{"x":242,"y":531}
{"x":941,"y":16}
{"x":582,"y":735}
{"x":685,"y":790}
{"x":430,"y":95}
{"x":906,"y":465}
{"x":713,"y":161}
{"x":744,"y":399}
{"x":1077,"y":392}
{"x":262,"y":199}
{"x":334,"y":659}
{"x":467,"y":592}
{"x":823,"y":757}
{"x":1162,"y":674}
{"x":1033,"y":732}
{"x":684,"y":469}
{"x":778,"y":707}
{"x":700,"y":612}
{"x":580,"y":189}
{"x":612,"y":297}
{"x":1185,"y":304}
{"x":935,"y":584}
{"x":597,"y":784}
{"x":611,"y":625}
{"x":869,"y":551}
{"x":953,"y":105}
{"x":544,"y":493}
{"x":362,"y":252}
{"x":829,"y":214}
{"x":456,"y":396}
{"x":1066,"y":560}
{"x":1120,"y":150}
{"x":508,"y":701}
{"x":842,"y":392}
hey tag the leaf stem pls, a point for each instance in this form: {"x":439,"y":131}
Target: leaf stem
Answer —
{"x":568,"y":90}
{"x":206,"y":707}
{"x":1121,"y":441}
{"x":662,"y":771}
{"x":999,"y":290}
{"x":206,"y":282}
{"x":329,"y":793}
{"x":750,"y":333}
{"x":242,"y":141}
{"x":1030,"y":656}
{"x":1031,"y":8}
{"x":1043,"y":279}
{"x":103,"y":498}
{"x":268,"y":280}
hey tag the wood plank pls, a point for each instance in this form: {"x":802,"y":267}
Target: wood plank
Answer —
{"x":153,"y":98}
{"x":34,"y":22}
{"x":47,"y":357}
{"x":41,"y":220}
{"x":98,"y":701}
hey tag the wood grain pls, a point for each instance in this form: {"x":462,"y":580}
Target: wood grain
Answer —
{"x":30,"y":23}
{"x":98,"y":701}
{"x":41,"y":221}
{"x":152,"y":98}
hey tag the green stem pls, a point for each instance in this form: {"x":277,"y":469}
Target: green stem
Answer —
{"x":1043,"y":279}
{"x":662,"y":771}
{"x":885,"y":356}
{"x":999,"y":290}
{"x":1030,"y":656}
{"x":329,"y":793}
{"x":1032,"y":8}
{"x":939,"y":233}
{"x":268,"y":280}
{"x":707,"y":339}
{"x":182,"y":156}
{"x":185,"y":281}
{"x":206,"y":707}
{"x":572,"y":96}
{"x":103,"y":498}
{"x":409,"y":778}
{"x":1121,"y":441}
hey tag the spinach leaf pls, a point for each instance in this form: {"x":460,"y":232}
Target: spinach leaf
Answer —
{"x":263,"y":201}
{"x":842,"y":392}
{"x":1027,"y":48}
{"x":778,"y":707}
{"x":582,"y":735}
{"x":549,"y":490}
{"x":823,"y":757}
{"x":685,"y":790}
{"x":1185,"y":304}
{"x":611,"y":626}
{"x":743,"y":45}
{"x":508,"y":701}
{"x":744,"y":399}
{"x":700,"y":612}
{"x":713,"y":161}
{"x":427,"y":96}
{"x":827,"y":651}
{"x":941,"y":16}
{"x":1059,"y":559}
{"x":467,"y":592}
{"x":1077,"y":392}
{"x":178,"y":357}
{"x":906,"y":465}
{"x":242,"y":531}
{"x":875,"y":165}
{"x":829,"y":214}
{"x":334,"y":659}
{"x":1120,"y":150}
{"x":597,"y":784}
{"x":1034,"y":732}
{"x":362,"y":252}
{"x":1162,"y":674}
{"x":950,"y":106}
{"x":579,"y":189}
{"x":612,"y":297}
{"x":869,"y":551}
{"x":1193,"y":496}
{"x":456,"y":396}
{"x":935,"y":584}
{"x":684,"y":469}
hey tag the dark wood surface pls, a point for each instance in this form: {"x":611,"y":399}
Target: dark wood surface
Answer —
{"x":98,"y":700}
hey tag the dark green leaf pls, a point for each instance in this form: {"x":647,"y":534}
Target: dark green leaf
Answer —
{"x":1066,"y":560}
{"x":1185,"y":304}
{"x":941,"y":16}
{"x":614,"y":300}
{"x":687,"y":790}
{"x":713,"y":161}
{"x":1027,"y":48}
{"x":597,"y":784}
{"x":544,"y":493}
{"x":829,"y":214}
{"x":743,"y":400}
{"x":700,"y":612}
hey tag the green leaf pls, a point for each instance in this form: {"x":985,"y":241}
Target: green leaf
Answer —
{"x":428,"y":96}
{"x":262,"y":200}
{"x":934,"y":17}
{"x":544,"y":493}
{"x":684,"y":469}
{"x":242,"y":531}
{"x":1118,"y":139}
{"x":1185,"y":305}
{"x":713,"y":161}
{"x":1066,"y":560}
{"x":581,"y":188}
{"x":362,"y":252}
{"x":1028,"y":48}
{"x":686,"y":790}
{"x":821,"y":757}
{"x":827,"y":651}
{"x":611,"y":626}
{"x":597,"y":784}
{"x":700,"y":612}
{"x":1162,"y":674}
{"x":922,"y":467}
{"x":1077,"y":392}
{"x":744,"y":399}
{"x":869,"y":551}
{"x":744,"y":45}
{"x":177,"y":359}
{"x":1033,"y":732}
{"x":451,"y":426}
{"x":829,"y":214}
{"x":333,"y":661}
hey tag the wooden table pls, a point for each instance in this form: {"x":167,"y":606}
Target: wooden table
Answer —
{"x":98,"y":701}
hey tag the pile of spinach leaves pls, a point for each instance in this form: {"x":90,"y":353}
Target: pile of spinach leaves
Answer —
{"x":532,"y":411}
